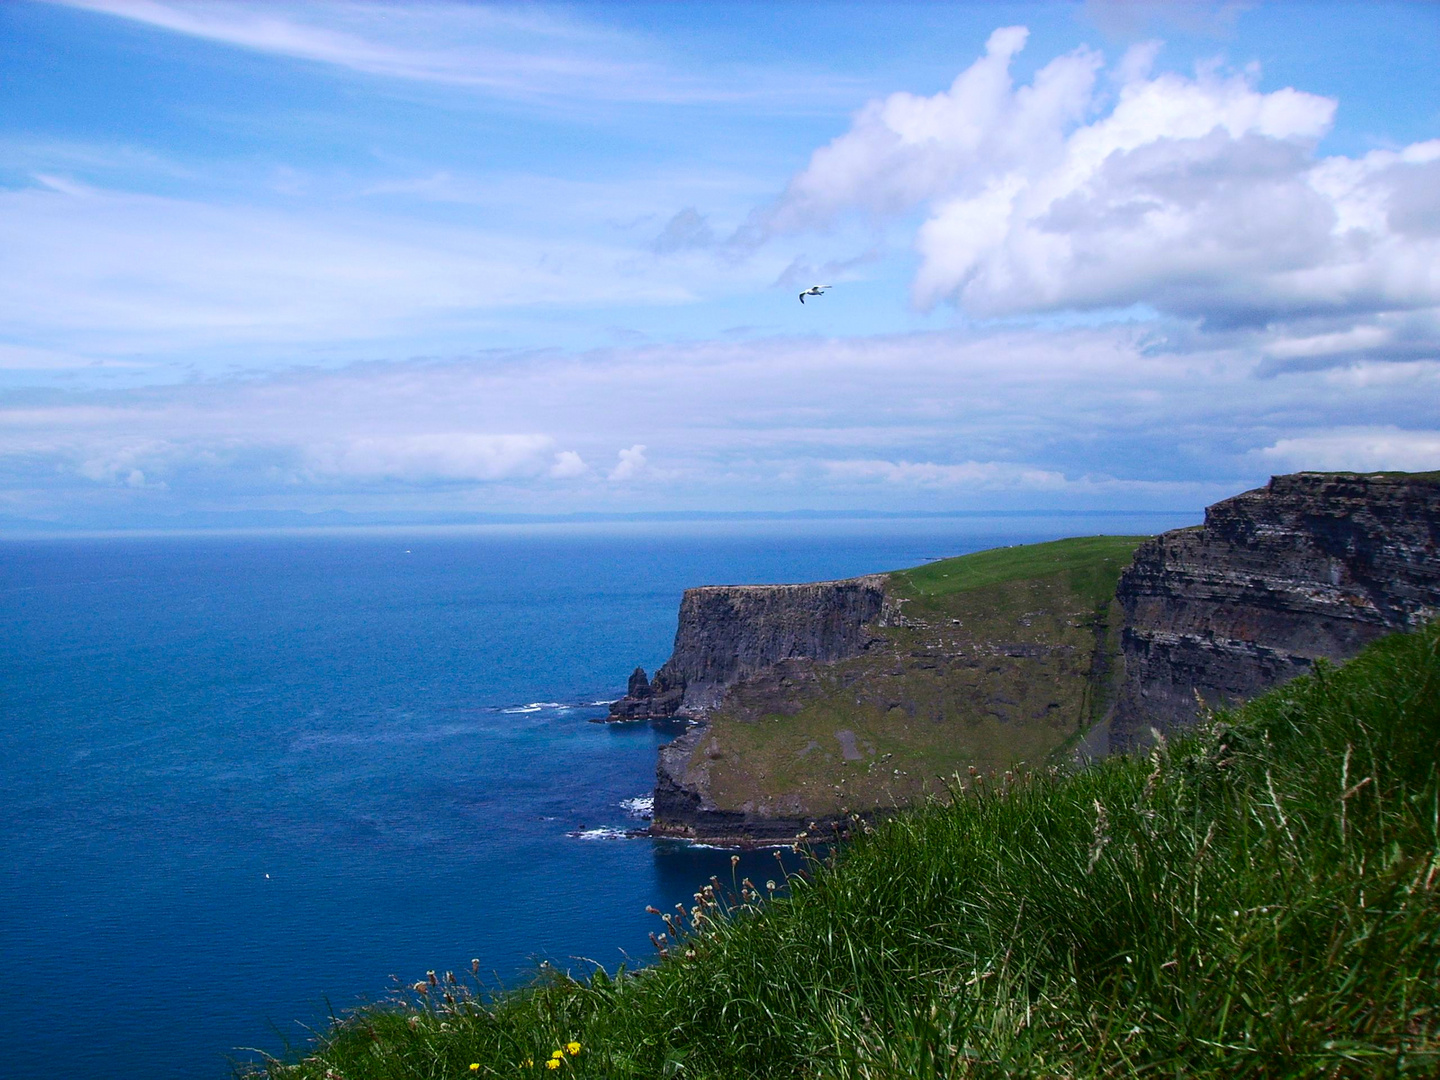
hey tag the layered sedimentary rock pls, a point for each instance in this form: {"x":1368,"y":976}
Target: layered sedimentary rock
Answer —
{"x":726,"y":633}
{"x":1313,"y":565}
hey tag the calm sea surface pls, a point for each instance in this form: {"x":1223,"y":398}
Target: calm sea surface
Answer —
{"x":246,"y":779}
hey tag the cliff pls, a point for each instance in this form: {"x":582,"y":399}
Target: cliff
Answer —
{"x":727,"y":633}
{"x":1313,"y":565}
{"x":852,"y":697}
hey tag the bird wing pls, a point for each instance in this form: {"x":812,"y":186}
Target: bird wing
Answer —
{"x":802,"y":298}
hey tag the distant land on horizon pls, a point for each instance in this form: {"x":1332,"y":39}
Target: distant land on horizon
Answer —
{"x":17,"y":527}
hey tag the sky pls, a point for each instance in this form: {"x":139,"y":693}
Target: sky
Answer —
{"x":425,"y":261}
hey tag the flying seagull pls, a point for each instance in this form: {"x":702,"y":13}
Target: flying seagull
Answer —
{"x":813,"y":290}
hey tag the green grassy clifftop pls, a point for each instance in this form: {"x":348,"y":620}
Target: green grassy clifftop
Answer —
{"x":989,"y":660}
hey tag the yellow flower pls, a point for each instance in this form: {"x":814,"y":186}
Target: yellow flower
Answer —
{"x":553,"y":1063}
{"x":474,"y":1066}
{"x":557,"y":1055}
{"x":572,"y":1048}
{"x":529,"y":1063}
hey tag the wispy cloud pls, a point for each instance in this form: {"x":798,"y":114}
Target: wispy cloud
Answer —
{"x":954,"y":420}
{"x":116,"y":272}
{"x":521,"y":52}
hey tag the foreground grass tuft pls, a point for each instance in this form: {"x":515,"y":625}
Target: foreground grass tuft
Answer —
{"x":1261,"y":898}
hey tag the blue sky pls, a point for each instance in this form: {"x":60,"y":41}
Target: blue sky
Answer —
{"x":463,"y":259}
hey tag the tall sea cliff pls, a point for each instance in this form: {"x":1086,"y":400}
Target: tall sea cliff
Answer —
{"x":827,"y":701}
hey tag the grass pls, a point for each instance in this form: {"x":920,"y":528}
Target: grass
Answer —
{"x":1259,"y":899}
{"x":1090,"y":565}
{"x":1005,"y":656}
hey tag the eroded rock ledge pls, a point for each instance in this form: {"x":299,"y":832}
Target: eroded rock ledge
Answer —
{"x":1312,"y":565}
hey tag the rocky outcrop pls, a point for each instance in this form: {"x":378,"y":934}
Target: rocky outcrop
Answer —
{"x":1313,"y":565}
{"x":728,"y":632}
{"x":646,"y":700}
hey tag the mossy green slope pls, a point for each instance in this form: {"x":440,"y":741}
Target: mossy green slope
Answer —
{"x":1000,"y":658}
{"x":1259,"y":899}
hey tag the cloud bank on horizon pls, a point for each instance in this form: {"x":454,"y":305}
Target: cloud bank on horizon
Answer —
{"x":457,"y":259}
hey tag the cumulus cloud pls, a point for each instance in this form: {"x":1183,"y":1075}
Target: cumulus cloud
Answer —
{"x":125,"y":465}
{"x":1199,"y":197}
{"x":632,"y":463}
{"x":568,"y":466}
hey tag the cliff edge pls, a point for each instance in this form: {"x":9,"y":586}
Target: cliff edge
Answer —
{"x":729,"y":632}
{"x":852,"y":697}
{"x":1312,"y":565}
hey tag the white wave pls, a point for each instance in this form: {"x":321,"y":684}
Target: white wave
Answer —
{"x":605,"y":832}
{"x":642,"y":806}
{"x":537,"y":706}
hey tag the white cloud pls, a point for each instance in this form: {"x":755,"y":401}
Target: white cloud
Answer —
{"x":513,"y":51}
{"x":632,"y":463}
{"x":1097,"y":417}
{"x":1199,"y":197}
{"x":107,"y":271}
{"x":459,"y":456}
{"x":1360,"y":449}
{"x":905,"y":150}
{"x":568,"y":466}
{"x":122,"y":465}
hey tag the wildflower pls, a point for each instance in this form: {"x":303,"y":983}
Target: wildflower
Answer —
{"x":572,"y":1048}
{"x":475,"y":965}
{"x":553,"y":1063}
{"x":474,"y":1066}
{"x":557,"y":1055}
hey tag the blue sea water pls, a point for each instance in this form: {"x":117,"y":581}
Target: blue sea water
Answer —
{"x":247,"y":779}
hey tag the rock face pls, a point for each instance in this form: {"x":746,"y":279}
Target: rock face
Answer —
{"x":1312,"y":565}
{"x":729,"y":632}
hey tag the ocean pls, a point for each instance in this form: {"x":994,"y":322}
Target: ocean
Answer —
{"x":248,"y":780}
